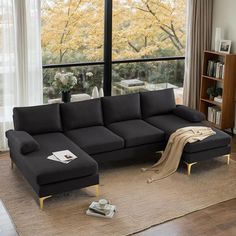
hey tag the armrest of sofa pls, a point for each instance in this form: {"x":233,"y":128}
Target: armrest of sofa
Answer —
{"x":21,"y":141}
{"x":189,"y":113}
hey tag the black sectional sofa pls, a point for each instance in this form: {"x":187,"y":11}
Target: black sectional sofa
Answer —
{"x":110,"y":128}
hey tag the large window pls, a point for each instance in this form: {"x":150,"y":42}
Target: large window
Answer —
{"x":142,"y":42}
{"x":72,"y":30}
{"x":148,"y":28}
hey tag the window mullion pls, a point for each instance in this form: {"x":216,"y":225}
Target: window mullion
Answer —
{"x":108,"y":48}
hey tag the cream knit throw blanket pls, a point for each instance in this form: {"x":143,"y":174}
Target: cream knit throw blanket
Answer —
{"x":170,"y":159}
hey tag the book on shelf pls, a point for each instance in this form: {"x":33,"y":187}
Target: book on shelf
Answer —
{"x":218,"y":117}
{"x":214,"y":115}
{"x":106,"y":212}
{"x":210,"y":114}
{"x":215,"y":69}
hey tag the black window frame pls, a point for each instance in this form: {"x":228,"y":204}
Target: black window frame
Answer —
{"x":107,"y":58}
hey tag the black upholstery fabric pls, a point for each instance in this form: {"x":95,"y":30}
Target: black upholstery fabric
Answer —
{"x":141,"y":152}
{"x":157,"y":102}
{"x":81,"y":114}
{"x":189,"y":114}
{"x":120,"y":108}
{"x":67,"y":185}
{"x":83,"y":125}
{"x":170,"y":123}
{"x":22,"y":141}
{"x":39,"y":170}
{"x":206,"y":154}
{"x":137,"y":132}
{"x":95,"y":139}
{"x":37,"y":119}
{"x":220,"y":139}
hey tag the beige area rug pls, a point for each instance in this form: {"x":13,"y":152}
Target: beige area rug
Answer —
{"x":140,"y":205}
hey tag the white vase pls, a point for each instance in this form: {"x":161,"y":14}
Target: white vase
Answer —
{"x":101,"y":93}
{"x":218,"y":37}
{"x":95,"y":93}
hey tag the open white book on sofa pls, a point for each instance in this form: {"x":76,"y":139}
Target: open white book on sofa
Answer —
{"x":64,"y":156}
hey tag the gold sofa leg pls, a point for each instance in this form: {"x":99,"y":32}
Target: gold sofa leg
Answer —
{"x":97,"y":190}
{"x":228,"y":159}
{"x":189,"y":166}
{"x":41,"y":201}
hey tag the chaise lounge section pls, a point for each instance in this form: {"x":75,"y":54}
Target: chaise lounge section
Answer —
{"x":169,"y":117}
{"x":98,"y":130}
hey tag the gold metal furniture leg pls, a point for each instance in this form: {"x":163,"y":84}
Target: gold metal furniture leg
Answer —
{"x":189,"y":166}
{"x":97,"y":190}
{"x":228,"y":159}
{"x":41,"y":201}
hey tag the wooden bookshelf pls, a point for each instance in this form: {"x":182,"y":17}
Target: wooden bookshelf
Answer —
{"x":227,"y":83}
{"x":213,"y":78}
{"x":211,"y":102}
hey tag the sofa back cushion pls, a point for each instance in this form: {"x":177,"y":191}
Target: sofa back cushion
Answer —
{"x":37,"y":119}
{"x":157,"y":102}
{"x":120,"y":108}
{"x":81,"y":114}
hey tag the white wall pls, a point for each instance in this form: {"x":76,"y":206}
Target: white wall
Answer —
{"x":224,"y":16}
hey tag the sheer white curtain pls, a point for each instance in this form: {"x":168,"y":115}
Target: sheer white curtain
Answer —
{"x":20,"y":59}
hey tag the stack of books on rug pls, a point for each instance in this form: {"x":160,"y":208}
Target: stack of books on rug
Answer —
{"x":64,"y":156}
{"x":102,"y":208}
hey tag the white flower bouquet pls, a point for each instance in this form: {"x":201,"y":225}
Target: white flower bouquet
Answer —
{"x":64,"y":82}
{"x":89,"y":74}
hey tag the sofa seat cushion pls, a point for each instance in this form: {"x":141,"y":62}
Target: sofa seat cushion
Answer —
{"x":170,"y":123}
{"x":95,"y":139}
{"x":137,"y":132}
{"x":42,"y":171}
{"x":220,"y":139}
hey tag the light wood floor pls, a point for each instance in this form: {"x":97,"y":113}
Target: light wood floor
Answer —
{"x":217,"y":220}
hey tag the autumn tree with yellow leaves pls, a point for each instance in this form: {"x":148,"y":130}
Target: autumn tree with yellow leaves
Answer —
{"x":73,"y":30}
